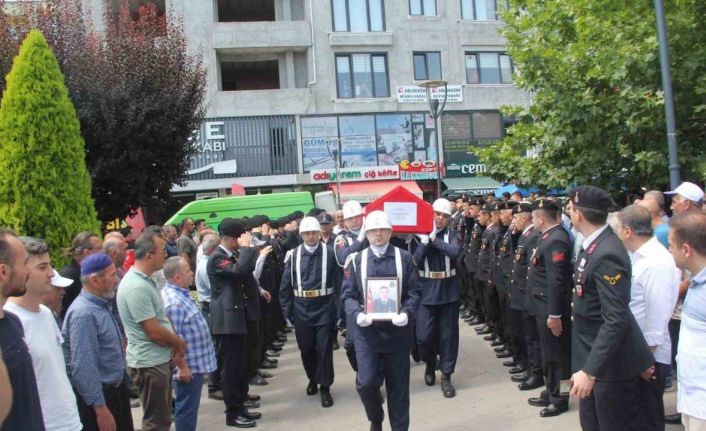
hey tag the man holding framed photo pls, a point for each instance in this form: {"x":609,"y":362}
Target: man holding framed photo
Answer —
{"x":382,"y":346}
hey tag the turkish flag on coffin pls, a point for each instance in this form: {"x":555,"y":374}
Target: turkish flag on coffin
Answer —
{"x":407,"y":212}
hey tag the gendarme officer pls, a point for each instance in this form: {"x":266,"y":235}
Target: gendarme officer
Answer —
{"x":549,"y":283}
{"x":437,"y":319}
{"x":382,"y":347}
{"x":609,"y":352}
{"x":307,"y":298}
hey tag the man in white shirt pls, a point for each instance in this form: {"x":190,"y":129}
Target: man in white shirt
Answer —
{"x":653,"y":294}
{"x":43,"y":337}
{"x":687,"y":242}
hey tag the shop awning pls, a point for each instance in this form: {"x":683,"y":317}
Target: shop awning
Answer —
{"x":368,"y":191}
{"x":470,"y":186}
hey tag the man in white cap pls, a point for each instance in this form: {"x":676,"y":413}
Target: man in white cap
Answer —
{"x":307,"y":299}
{"x":437,"y":320}
{"x":350,"y":241}
{"x":382,"y":347}
{"x":52,"y":299}
{"x":688,"y":196}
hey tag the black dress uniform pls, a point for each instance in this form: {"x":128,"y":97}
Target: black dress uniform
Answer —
{"x":506,"y":256}
{"x":345,"y":245}
{"x":490,"y":304}
{"x":382,"y":349}
{"x":549,"y":283}
{"x":527,"y":351}
{"x":474,"y":236}
{"x":437,"y":317}
{"x":228,"y":274}
{"x":308,"y":300}
{"x":607,"y":344}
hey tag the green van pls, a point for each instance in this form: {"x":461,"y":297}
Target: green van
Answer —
{"x":273,"y":205}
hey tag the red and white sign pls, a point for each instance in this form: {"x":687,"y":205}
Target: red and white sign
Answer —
{"x":369,"y":173}
{"x":408,"y":213}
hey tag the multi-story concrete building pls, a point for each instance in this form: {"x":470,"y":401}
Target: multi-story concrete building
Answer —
{"x":288,"y":80}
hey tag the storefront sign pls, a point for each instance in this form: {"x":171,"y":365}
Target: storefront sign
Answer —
{"x":355,"y":174}
{"x":417,"y":170}
{"x":466,"y":169}
{"x":414,"y":94}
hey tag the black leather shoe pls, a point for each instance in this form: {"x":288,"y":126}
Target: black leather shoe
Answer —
{"x":489,"y":337}
{"x":498,"y":348}
{"x":673,"y":419}
{"x":539,"y":402}
{"x":430,"y":374}
{"x":519,"y":378}
{"x":463,"y":307}
{"x":552,"y":410}
{"x":446,"y":387}
{"x":375,"y":426}
{"x":504,"y":354}
{"x":251,"y":404}
{"x":258,"y":380}
{"x":267,"y":365}
{"x":216,"y":395}
{"x":482,"y":328}
{"x":311,"y":388}
{"x":532,"y":383}
{"x":264,"y":374}
{"x":326,"y":400}
{"x":240,"y":422}
{"x":476,"y":321}
{"x":518,"y":369}
{"x":274,"y":348}
{"x":252,"y":397}
{"x":336,"y":346}
{"x":510,"y":363}
{"x":271,"y":354}
{"x":287,"y":330}
{"x":253,"y":416}
{"x":276,"y":344}
{"x":282,"y":338}
{"x":487,"y":332}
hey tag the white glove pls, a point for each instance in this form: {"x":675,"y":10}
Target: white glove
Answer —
{"x":361,"y":235}
{"x":424,"y":239}
{"x":400,"y":319}
{"x":432,"y":235}
{"x":363,"y":320}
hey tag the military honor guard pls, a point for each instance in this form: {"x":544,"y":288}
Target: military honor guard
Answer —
{"x":504,"y":254}
{"x":609,"y":352}
{"x":382,"y":346}
{"x":490,"y":233}
{"x":437,"y":319}
{"x":549,"y":283}
{"x":308,"y":300}
{"x":474,"y":233}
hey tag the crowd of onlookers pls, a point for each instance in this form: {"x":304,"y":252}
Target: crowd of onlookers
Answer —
{"x":128,"y":321}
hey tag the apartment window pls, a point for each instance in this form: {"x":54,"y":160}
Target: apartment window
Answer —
{"x":246,"y":10}
{"x":249,"y":75}
{"x":422,"y":7}
{"x":427,"y":65}
{"x":362,"y":75}
{"x":358,"y":15}
{"x":481,"y":10}
{"x":488,"y":68}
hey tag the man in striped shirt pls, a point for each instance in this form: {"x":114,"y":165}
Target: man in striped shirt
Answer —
{"x":190,"y":325}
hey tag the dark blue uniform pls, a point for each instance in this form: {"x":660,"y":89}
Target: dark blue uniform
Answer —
{"x":311,"y":307}
{"x":483,"y":275}
{"x":346,"y":244}
{"x":382,"y":349}
{"x":473,"y":244}
{"x":437,"y":318}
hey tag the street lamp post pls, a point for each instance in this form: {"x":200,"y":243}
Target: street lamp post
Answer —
{"x":336,"y":156}
{"x":435,"y":111}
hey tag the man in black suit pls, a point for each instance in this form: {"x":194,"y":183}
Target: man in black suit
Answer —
{"x":549,"y":284}
{"x":384,"y":304}
{"x":229,"y":270}
{"x":610,"y":354}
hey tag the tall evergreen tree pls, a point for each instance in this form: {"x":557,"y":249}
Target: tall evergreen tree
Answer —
{"x":45,"y":188}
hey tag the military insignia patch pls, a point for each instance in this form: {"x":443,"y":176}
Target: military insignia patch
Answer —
{"x":558,"y":256}
{"x":614,"y":279}
{"x":224,"y":263}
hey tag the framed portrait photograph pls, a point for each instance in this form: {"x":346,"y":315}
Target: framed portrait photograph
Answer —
{"x":382,"y":297}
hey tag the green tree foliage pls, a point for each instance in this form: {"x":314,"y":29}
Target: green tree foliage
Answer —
{"x":597,"y":113}
{"x":137,"y":91}
{"x":45,"y":188}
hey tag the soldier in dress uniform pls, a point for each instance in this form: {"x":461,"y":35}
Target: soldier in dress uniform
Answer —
{"x":382,"y":347}
{"x":328,"y":237}
{"x":308,"y":300}
{"x":229,"y":270}
{"x":474,"y":233}
{"x":505,"y":249}
{"x":609,"y":352}
{"x":491,"y":296}
{"x":549,"y":284}
{"x":437,"y":318}
{"x":528,"y":355}
{"x":483,"y":271}
{"x":348,"y":242}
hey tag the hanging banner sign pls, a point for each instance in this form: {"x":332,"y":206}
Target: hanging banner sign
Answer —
{"x":372,"y":173}
{"x":414,"y":94}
